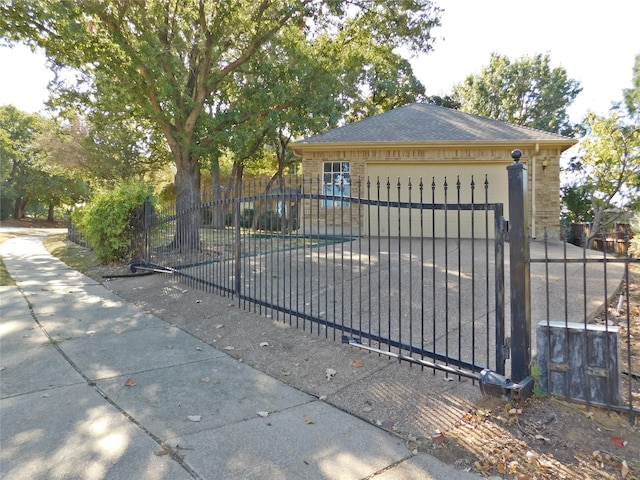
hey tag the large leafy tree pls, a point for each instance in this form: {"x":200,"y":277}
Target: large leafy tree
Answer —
{"x":606,"y":170}
{"x":18,"y":160}
{"x":527,"y":92}
{"x":28,"y":175}
{"x":105,"y":152}
{"x":188,"y":67}
{"x":632,"y":95}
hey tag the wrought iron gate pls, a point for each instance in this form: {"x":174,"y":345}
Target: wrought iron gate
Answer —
{"x":410,"y":270}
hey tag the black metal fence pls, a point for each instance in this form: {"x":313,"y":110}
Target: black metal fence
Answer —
{"x":587,"y":327}
{"x":409,"y":268}
{"x":415,"y":270}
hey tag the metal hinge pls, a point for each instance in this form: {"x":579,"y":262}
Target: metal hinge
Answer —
{"x":506,"y":348}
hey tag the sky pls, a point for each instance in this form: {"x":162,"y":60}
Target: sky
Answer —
{"x":595,"y":42}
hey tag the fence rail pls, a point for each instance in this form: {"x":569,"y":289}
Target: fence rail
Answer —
{"x":391,"y":266}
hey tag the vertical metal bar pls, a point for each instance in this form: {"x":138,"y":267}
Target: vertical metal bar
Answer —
{"x":326,"y":260}
{"x":369,"y":262}
{"x":458,"y":185}
{"x":323,"y":203}
{"x":147,"y":230}
{"x":302,"y":212}
{"x":628,"y":324}
{"x":585,"y":316}
{"x":606,"y":313}
{"x":473,"y":272}
{"x":237,"y":261}
{"x":499,"y":290}
{"x":359,"y":261}
{"x":388,"y":262}
{"x":446,"y":272}
{"x":399,"y":241}
{"x":566,"y":317}
{"x":294,"y":249}
{"x":410,"y":276}
{"x":379,"y":236}
{"x":422,"y":267}
{"x":338,"y":214}
{"x":487,"y":276}
{"x":258,"y":270}
{"x":433,"y":266}
{"x":519,"y":265}
{"x":548,"y":316}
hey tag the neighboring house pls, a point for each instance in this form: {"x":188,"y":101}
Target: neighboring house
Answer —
{"x":428,"y":142}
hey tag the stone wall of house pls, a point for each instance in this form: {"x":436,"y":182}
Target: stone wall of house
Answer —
{"x":544,"y":203}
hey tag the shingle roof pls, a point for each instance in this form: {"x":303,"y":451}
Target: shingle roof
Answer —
{"x":428,"y":123}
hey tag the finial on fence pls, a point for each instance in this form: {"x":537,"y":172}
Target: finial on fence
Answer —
{"x":516,"y":154}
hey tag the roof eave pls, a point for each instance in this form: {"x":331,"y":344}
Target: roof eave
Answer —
{"x":301,"y":147}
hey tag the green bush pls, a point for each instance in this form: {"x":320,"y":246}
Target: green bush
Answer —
{"x":112,"y":222}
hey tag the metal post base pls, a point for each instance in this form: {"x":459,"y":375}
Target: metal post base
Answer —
{"x":496,"y":385}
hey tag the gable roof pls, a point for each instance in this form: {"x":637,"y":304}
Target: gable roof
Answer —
{"x":423,"y":123}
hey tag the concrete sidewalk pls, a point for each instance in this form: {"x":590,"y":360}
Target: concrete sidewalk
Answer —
{"x":68,"y":349}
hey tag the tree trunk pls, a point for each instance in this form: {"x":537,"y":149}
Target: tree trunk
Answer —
{"x":188,"y":213}
{"x":217,"y":210}
{"x":597,"y":226}
{"x":19,"y":208}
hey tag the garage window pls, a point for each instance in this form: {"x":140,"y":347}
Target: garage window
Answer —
{"x":336,"y":179}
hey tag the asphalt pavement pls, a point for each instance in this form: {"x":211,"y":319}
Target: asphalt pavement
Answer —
{"x":93,"y":387}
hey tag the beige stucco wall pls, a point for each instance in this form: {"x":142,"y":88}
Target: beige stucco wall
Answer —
{"x":544,"y":199}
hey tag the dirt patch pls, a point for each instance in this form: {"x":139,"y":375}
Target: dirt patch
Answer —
{"x":545,"y":438}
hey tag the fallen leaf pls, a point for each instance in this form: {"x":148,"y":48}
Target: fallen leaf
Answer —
{"x":308,"y":421}
{"x":439,"y":438}
{"x":129,"y":383}
{"x":195,"y":418}
{"x":618,"y":442}
{"x":545,"y":464}
{"x":356,"y":363}
{"x":624,"y":469}
{"x":263,"y":414}
{"x":523,"y":476}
